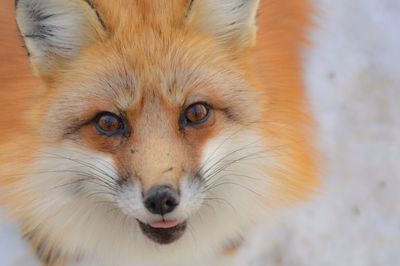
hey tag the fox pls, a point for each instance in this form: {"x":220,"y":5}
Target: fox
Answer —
{"x":160,"y":132}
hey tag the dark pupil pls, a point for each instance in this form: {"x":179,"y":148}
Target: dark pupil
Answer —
{"x":109,"y":123}
{"x":196,"y":113}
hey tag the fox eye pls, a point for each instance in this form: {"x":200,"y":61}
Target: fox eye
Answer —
{"x":196,"y":113}
{"x":109,"y":124}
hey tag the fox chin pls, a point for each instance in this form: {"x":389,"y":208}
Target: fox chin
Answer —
{"x":162,"y":132}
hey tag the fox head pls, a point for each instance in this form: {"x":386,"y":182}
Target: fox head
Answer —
{"x":154,"y":125}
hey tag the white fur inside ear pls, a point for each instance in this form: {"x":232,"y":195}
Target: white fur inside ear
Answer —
{"x":55,"y":28}
{"x":227,"y":20}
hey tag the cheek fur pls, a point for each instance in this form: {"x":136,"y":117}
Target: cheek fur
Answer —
{"x":233,"y":173}
{"x":73,"y":172}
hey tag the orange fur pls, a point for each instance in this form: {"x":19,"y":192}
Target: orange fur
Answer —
{"x":273,"y":68}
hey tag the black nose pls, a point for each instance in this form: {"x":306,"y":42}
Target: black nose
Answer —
{"x":161,"y":200}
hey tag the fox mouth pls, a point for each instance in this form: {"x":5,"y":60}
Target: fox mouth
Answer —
{"x":163,"y":232}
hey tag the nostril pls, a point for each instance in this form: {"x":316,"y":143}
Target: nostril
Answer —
{"x":161,"y":200}
{"x":169,"y":203}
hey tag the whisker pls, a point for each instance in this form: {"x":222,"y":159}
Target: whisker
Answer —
{"x":219,"y":146}
{"x":222,"y":167}
{"x":82,"y":163}
{"x":233,"y":183}
{"x":231,"y":153}
{"x":221,"y":200}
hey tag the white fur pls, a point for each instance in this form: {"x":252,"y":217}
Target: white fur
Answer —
{"x":108,"y":234}
{"x":326,"y":232}
{"x":227,"y":20}
{"x":68,"y":22}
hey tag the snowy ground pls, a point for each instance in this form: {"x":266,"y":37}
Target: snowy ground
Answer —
{"x":353,"y":74}
{"x":354,"y":79}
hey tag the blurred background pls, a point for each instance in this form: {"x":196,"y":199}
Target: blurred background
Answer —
{"x":353,"y":77}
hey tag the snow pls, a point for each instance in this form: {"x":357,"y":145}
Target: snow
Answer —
{"x":353,"y":73}
{"x":354,"y":80}
{"x":13,"y":251}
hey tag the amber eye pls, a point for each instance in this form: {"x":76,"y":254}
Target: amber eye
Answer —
{"x":196,"y":113}
{"x":109,"y":124}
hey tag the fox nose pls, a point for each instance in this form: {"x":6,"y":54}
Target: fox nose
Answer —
{"x":161,"y":200}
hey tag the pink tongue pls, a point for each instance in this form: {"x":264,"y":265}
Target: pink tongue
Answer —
{"x":164,"y":224}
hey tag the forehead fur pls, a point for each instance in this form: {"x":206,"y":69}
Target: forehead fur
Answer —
{"x":179,"y":68}
{"x":172,"y":67}
{"x":148,"y":52}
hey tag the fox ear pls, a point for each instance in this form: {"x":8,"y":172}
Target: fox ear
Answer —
{"x":55,"y":31}
{"x":230,"y":21}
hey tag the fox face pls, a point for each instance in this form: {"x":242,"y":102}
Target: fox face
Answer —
{"x":153,"y":128}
